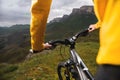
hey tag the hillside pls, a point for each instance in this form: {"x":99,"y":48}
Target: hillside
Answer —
{"x":43,"y":66}
{"x":15,"y":40}
{"x":15,"y":44}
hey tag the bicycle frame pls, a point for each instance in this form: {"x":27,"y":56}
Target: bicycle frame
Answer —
{"x":83,"y":70}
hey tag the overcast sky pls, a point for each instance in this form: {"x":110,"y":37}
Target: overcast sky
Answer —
{"x":18,"y":11}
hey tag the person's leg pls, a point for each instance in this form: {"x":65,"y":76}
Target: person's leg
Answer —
{"x":108,"y":72}
{"x":39,"y":14}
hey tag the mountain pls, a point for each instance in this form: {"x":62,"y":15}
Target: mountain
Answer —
{"x":15,"y":40}
{"x":79,"y":19}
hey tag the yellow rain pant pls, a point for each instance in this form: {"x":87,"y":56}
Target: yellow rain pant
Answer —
{"x":39,"y":14}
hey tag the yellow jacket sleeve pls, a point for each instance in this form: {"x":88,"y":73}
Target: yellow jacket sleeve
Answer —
{"x":97,"y":25}
{"x":99,"y":9}
{"x":39,"y":14}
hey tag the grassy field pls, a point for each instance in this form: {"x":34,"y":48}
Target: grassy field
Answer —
{"x":43,"y":66}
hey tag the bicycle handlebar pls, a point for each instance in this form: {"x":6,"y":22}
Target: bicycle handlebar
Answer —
{"x":82,"y":33}
{"x":69,"y":41}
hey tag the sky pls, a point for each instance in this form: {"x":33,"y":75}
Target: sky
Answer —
{"x":18,"y":11}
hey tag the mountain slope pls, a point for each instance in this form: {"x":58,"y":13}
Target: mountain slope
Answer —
{"x":79,"y":19}
{"x":43,"y":66}
{"x":15,"y":40}
{"x":15,"y":43}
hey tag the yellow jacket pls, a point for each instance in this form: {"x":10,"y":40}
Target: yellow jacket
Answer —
{"x":39,"y":14}
{"x":108,"y":14}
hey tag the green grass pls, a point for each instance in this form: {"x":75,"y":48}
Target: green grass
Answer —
{"x":43,"y":66}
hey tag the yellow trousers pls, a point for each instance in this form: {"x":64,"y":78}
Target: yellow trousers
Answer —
{"x":39,"y":14}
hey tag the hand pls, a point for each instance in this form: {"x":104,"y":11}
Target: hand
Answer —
{"x":47,"y":46}
{"x":91,"y":28}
